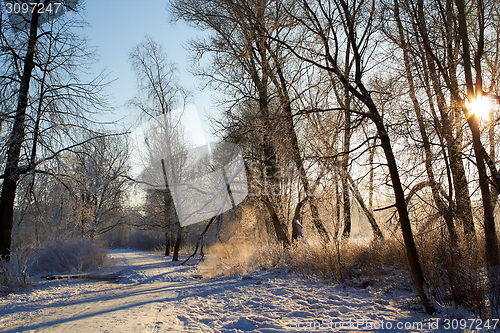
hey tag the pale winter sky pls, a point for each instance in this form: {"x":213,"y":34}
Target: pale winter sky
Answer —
{"x":117,"y":26}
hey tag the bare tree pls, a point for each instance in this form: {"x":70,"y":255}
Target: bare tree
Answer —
{"x":159,"y":93}
{"x":475,"y":90}
{"x":95,"y":181}
{"x":42,"y":58}
{"x":79,"y":194}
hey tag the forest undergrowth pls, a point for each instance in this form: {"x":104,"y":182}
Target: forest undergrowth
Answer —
{"x":452,"y":279}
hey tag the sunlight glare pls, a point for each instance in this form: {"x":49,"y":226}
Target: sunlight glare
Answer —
{"x":481,"y":106}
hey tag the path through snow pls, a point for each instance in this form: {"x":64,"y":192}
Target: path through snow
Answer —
{"x":156,"y":295}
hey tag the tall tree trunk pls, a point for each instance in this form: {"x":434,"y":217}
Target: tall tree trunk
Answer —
{"x":371,"y":178}
{"x":460,"y":185}
{"x":346,"y":198}
{"x":178,"y":243}
{"x":267,"y":147}
{"x":17,"y":137}
{"x":495,"y":191}
{"x":344,"y":100}
{"x":443,"y":209}
{"x":171,"y":215}
{"x":361,"y":92}
{"x":404,"y":218}
{"x":492,"y":251}
{"x":167,"y":242}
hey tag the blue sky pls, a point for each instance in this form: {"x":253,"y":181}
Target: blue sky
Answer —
{"x":117,"y":26}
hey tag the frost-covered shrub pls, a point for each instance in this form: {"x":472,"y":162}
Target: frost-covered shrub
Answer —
{"x":455,"y":274}
{"x":233,"y":257}
{"x":347,"y":261}
{"x":13,"y":273}
{"x":69,"y":255}
{"x":313,"y":259}
{"x":267,"y":255}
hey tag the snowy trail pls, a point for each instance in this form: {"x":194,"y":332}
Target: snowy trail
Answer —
{"x":130,"y":305}
{"x":155,"y":295}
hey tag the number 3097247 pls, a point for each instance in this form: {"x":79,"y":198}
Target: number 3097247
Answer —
{"x":32,"y":7}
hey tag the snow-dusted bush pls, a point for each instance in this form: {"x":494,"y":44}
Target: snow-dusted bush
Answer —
{"x":313,"y":259}
{"x":267,"y":255}
{"x":13,"y":273}
{"x":348,"y":262}
{"x":455,"y":276}
{"x":69,"y":255}
{"x":233,"y":257}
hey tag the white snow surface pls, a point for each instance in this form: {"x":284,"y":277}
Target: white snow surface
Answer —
{"x":152,"y":294}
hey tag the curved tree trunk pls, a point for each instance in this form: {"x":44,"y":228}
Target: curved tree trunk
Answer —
{"x":377,"y":233}
{"x":404,"y":218}
{"x":278,"y":228}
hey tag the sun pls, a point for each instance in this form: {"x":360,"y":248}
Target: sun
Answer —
{"x":480,"y":106}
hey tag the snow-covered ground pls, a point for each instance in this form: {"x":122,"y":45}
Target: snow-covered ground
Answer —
{"x":153,"y":294}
